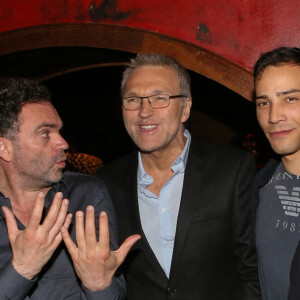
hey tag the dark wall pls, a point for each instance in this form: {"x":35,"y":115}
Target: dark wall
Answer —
{"x":90,"y":105}
{"x":85,"y":85}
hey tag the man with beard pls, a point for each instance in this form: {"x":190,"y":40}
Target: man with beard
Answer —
{"x":38,"y":202}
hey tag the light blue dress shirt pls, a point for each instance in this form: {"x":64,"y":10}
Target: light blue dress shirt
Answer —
{"x":159,"y":213}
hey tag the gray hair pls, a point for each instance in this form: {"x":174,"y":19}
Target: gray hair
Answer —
{"x":151,"y":59}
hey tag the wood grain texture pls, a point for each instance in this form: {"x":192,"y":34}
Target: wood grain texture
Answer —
{"x":132,"y":40}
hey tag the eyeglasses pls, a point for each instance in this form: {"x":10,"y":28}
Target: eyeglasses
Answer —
{"x":155,"y":101}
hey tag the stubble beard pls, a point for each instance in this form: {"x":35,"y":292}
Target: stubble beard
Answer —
{"x":37,"y":174}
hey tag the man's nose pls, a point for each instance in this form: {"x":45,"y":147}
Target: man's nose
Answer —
{"x":146,"y":109}
{"x":276,"y":114}
{"x":61,"y":144}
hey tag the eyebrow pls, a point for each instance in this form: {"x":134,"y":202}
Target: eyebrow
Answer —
{"x":261,"y":97}
{"x":46,"y":125}
{"x":287,"y":92}
{"x":152,"y":92}
{"x":278,"y":94}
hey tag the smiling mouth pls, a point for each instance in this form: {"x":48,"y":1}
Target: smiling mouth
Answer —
{"x":148,"y":127}
{"x":280,"y":134}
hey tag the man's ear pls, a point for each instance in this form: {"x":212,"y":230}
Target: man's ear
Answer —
{"x":5,"y":149}
{"x":186,"y":109}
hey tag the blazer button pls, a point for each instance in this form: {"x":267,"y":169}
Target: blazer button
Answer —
{"x":171,"y":291}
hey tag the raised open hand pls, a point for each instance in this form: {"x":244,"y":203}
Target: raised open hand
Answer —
{"x":33,"y":246}
{"x":93,"y":260}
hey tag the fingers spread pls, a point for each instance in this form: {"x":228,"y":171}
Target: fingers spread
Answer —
{"x":54,"y":212}
{"x":61,"y":219}
{"x":104,"y":231}
{"x":68,"y":221}
{"x":125,"y":247}
{"x":68,"y":242}
{"x":58,"y":237}
{"x":90,"y":231}
{"x":80,"y":232}
{"x":37,"y":212}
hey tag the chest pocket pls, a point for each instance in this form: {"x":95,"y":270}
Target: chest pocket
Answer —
{"x":207,"y":236}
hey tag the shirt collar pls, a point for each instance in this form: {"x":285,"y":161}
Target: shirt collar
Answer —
{"x":178,"y":165}
{"x":61,"y":186}
{"x":143,"y":178}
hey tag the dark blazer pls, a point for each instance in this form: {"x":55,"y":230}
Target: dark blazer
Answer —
{"x":214,"y":256}
{"x":294,"y":292}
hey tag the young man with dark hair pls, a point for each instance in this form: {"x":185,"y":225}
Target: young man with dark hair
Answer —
{"x":276,"y":190}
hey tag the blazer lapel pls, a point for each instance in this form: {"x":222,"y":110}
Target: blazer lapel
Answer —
{"x":190,"y":194}
{"x":134,"y":216}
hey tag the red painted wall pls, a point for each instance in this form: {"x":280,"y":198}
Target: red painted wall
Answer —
{"x":238,"y":30}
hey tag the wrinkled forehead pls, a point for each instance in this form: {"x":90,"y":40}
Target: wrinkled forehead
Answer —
{"x":34,"y":114}
{"x":148,"y":79}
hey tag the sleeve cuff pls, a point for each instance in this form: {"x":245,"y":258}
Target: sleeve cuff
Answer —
{"x":13,"y":285}
{"x":112,"y":292}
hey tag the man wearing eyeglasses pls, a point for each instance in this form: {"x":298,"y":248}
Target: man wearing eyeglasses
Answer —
{"x":188,"y":199}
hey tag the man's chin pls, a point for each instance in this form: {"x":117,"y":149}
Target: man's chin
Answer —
{"x":285,"y":151}
{"x":56,"y":175}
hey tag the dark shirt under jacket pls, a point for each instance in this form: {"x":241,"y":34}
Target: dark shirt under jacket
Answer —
{"x":294,"y":292}
{"x":58,"y":279}
{"x":260,"y":180}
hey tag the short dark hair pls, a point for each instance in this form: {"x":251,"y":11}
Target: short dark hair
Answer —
{"x":153,"y":59}
{"x":14,"y":94}
{"x":277,"y":57}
